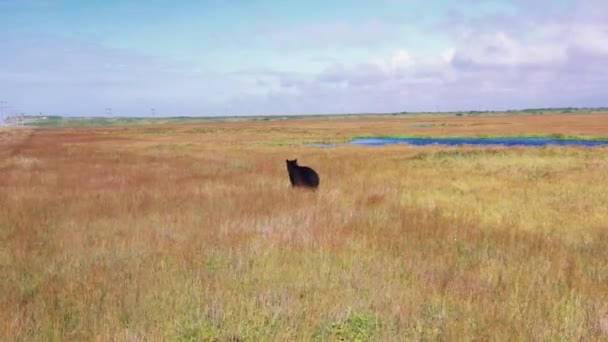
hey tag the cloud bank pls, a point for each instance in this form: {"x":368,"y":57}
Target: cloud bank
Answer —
{"x":541,"y":55}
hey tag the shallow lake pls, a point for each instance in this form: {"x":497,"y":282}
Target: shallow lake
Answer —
{"x":477,"y":141}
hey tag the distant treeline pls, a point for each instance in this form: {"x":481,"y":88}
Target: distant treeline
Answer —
{"x":515,"y":111}
{"x":56,"y":120}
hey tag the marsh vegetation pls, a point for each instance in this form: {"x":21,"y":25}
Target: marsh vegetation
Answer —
{"x":193,"y":232}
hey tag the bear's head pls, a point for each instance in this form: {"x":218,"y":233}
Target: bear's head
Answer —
{"x":291,"y":163}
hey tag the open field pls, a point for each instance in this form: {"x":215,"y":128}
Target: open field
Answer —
{"x":192,"y":232}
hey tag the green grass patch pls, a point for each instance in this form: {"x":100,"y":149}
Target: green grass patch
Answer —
{"x":356,"y":327}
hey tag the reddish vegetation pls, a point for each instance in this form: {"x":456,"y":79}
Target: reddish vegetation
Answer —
{"x":192,"y":232}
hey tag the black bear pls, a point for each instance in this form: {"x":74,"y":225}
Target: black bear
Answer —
{"x":301,"y":175}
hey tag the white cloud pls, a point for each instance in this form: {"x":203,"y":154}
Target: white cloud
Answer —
{"x":500,"y":49}
{"x":401,"y":59}
{"x":483,"y":70}
{"x":591,"y":38}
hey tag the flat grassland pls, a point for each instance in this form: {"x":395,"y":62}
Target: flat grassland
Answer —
{"x":192,"y":232}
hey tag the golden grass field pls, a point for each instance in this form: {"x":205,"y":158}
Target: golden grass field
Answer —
{"x":193,"y":233}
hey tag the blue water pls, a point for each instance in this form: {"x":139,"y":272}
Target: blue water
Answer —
{"x":476,"y":141}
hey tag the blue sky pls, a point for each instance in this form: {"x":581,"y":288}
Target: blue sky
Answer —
{"x":240,"y":57}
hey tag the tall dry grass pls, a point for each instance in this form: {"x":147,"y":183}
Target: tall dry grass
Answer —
{"x":193,"y":233}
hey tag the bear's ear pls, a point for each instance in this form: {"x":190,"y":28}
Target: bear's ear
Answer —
{"x":287,"y":160}
{"x":295,"y":160}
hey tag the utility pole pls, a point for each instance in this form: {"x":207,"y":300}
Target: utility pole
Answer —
{"x":8,"y":110}
{"x":109,"y":112}
{"x":2,"y":104}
